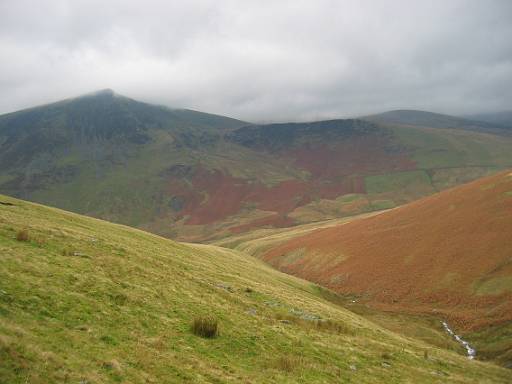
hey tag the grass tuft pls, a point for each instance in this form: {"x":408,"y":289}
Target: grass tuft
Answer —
{"x":288,"y":363}
{"x":205,"y":326}
{"x":68,"y":251}
{"x":385,"y":356}
{"x":22,"y":235}
{"x":334,"y":326}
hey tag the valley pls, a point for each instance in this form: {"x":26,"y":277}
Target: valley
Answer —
{"x":69,"y":313}
{"x":82,"y":299}
{"x":258,"y":192}
{"x":426,"y":257}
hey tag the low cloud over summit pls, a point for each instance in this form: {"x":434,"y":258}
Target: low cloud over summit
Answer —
{"x":262,"y":60}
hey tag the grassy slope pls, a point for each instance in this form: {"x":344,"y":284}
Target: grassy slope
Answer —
{"x":452,"y":148}
{"x":258,"y":241}
{"x":120,"y":310}
{"x":444,"y":158}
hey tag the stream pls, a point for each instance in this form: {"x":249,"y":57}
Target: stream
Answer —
{"x":465,"y":344}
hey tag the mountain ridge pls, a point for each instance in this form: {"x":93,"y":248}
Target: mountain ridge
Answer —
{"x":435,"y":120}
{"x":503,"y":118}
{"x":195,"y":176}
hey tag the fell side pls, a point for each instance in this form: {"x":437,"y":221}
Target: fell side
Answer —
{"x":447,"y":255}
{"x":83,"y":300}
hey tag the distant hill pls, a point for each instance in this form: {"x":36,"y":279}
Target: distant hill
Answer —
{"x":96,"y":120}
{"x":86,"y":301}
{"x":192,"y":176}
{"x":448,"y":254}
{"x":503,"y":118}
{"x":435,"y":120}
{"x":102,"y":153}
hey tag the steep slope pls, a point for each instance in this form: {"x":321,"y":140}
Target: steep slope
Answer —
{"x":89,"y":138}
{"x":449,"y":253}
{"x":194,"y":176}
{"x":102,"y":154}
{"x":95,"y":119}
{"x":83,"y":300}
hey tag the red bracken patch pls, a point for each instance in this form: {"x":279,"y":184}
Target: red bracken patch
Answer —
{"x":211,"y":196}
{"x":223,"y":196}
{"x":337,"y":169}
{"x":365,"y":155}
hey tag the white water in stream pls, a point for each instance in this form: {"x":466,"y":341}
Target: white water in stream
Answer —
{"x":465,"y":344}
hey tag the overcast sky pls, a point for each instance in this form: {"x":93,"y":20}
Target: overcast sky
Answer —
{"x":262,"y":60}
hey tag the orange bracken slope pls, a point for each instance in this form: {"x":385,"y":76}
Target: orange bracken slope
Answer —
{"x":450,"y":253}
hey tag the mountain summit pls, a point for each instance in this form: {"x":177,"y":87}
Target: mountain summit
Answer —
{"x":100,"y":115}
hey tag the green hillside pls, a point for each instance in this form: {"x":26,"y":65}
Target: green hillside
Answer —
{"x":86,"y":301}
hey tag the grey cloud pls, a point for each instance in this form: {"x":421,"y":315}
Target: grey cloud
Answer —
{"x":262,"y":60}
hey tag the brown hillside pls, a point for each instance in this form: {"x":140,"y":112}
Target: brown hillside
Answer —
{"x":450,"y":253}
